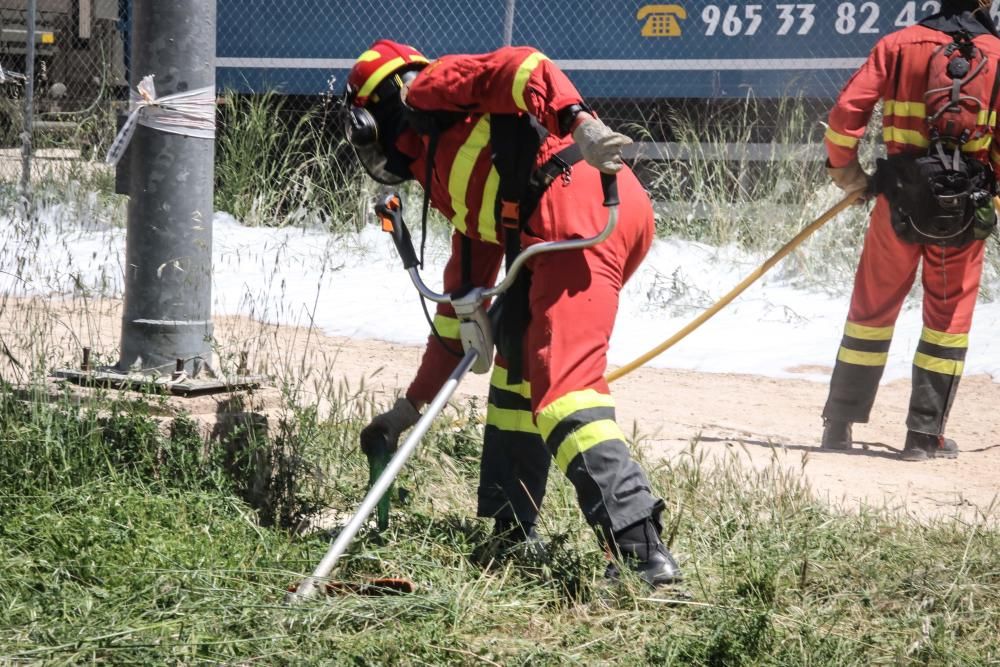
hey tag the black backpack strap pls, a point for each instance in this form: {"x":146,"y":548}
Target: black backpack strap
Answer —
{"x":515,"y":141}
{"x":559,"y":165}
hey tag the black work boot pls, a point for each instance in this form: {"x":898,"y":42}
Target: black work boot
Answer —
{"x":836,"y":435}
{"x":512,"y":540}
{"x":640,"y":549}
{"x":924,"y":446}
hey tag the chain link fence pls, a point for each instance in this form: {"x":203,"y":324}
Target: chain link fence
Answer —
{"x":720,"y":80}
{"x":79,"y":81}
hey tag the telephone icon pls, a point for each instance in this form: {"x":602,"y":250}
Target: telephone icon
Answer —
{"x":661,"y":20}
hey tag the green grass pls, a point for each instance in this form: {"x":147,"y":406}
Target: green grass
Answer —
{"x":277,"y":165}
{"x":121,"y":542}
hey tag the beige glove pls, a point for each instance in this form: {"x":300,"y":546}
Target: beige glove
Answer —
{"x":388,"y":426}
{"x":601,"y":146}
{"x":850,"y":178}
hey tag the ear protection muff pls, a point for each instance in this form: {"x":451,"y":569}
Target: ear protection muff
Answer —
{"x":362,"y":127}
{"x":362,"y":130}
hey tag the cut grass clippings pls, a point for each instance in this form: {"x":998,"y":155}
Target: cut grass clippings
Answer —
{"x":141,"y":549}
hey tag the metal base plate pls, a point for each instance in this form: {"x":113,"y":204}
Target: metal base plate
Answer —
{"x":158,"y":384}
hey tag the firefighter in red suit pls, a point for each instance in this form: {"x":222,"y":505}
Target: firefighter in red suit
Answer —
{"x":560,"y":408}
{"x":897,"y":73}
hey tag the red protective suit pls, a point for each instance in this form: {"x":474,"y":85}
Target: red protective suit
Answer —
{"x":896,"y":72}
{"x":564,"y":402}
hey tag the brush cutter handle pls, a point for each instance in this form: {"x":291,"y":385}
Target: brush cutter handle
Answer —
{"x":609,"y":186}
{"x":390,"y":214}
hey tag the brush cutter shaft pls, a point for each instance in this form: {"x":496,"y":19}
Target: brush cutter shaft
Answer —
{"x":309,"y":587}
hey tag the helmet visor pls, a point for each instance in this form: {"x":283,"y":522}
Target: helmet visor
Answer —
{"x":376,"y":164}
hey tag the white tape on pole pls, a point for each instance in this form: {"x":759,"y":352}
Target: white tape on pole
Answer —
{"x":190,"y":113}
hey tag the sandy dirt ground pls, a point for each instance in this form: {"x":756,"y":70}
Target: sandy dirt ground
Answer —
{"x":761,"y":421}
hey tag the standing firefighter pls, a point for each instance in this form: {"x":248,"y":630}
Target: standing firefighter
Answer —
{"x":506,"y":149}
{"x":939,"y":81}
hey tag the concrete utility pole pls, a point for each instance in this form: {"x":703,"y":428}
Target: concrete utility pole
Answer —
{"x":168,"y":256}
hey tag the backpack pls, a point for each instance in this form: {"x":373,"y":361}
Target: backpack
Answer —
{"x":934,"y":197}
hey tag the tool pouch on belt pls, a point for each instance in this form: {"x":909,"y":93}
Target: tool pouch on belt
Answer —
{"x":938,"y":199}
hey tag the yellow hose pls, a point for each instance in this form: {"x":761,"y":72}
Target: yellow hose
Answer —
{"x":739,"y":289}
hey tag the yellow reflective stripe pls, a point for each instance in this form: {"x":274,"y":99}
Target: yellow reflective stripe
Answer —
{"x":564,"y":406}
{"x":936,"y":365}
{"x":868,"y":333}
{"x":977,"y":145}
{"x":379,"y":75}
{"x":487,"y":210}
{"x":945,"y":339}
{"x":840,"y":139}
{"x":909,"y":137}
{"x":915,"y":138}
{"x":447,"y":327}
{"x":369,"y":56}
{"x":904,"y":109}
{"x":586,"y":437}
{"x":523,"y":74}
{"x":461,"y":170}
{"x":919,"y":110}
{"x":511,"y":420}
{"x":499,"y":380}
{"x":862,"y":358}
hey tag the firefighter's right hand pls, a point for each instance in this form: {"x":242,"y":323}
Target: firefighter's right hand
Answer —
{"x":850,"y":178}
{"x":385,"y":429}
{"x":601,"y":146}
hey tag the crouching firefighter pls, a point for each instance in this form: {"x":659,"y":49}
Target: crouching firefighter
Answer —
{"x":939,"y":82}
{"x":505,"y":148}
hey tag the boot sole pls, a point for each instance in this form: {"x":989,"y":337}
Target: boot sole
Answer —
{"x":916,"y":456}
{"x":663,"y":581}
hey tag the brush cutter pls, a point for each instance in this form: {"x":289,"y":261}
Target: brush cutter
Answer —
{"x":476,"y":331}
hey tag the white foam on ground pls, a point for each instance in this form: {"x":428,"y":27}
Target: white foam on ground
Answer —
{"x":354,"y":285}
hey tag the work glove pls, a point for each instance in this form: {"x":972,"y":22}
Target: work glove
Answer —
{"x":601,"y":146}
{"x":850,"y":178}
{"x":985,"y":222}
{"x":385,"y":429}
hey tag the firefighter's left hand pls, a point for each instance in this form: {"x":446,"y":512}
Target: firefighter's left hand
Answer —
{"x":385,"y":429}
{"x":601,"y":146}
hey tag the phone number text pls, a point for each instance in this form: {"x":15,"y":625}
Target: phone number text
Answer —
{"x":864,"y":18}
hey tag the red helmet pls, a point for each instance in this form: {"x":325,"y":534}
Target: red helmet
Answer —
{"x":382,"y":59}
